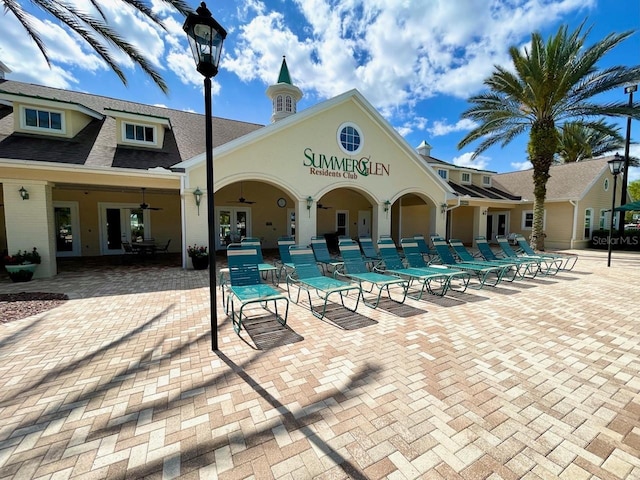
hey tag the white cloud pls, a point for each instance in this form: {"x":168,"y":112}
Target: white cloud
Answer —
{"x":443,"y":128}
{"x":394,"y":53}
{"x":519,"y":166}
{"x":465,"y":160}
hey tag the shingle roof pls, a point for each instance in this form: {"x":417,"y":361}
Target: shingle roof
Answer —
{"x":567,"y":181}
{"x":96,"y":144}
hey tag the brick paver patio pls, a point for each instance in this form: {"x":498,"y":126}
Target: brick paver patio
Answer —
{"x":535,"y":379}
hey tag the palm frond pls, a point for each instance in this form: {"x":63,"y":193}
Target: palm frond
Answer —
{"x":92,"y":30}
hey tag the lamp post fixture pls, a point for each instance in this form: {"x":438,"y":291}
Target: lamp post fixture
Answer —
{"x":206,"y":36}
{"x":615,"y":166}
{"x":625,"y":175}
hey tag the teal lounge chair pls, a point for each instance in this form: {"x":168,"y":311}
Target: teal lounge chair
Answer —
{"x":568,"y":261}
{"x":284,"y":264}
{"x":246,"y":288}
{"x":547,"y":265}
{"x":266,"y":269}
{"x":355,"y":269}
{"x":323,"y":258}
{"x":489,"y":276}
{"x":510,"y":274}
{"x":426,"y":252}
{"x":527,"y":268}
{"x":414,"y":258}
{"x":307,"y":276}
{"x":369,"y":253}
{"x":436,"y":281}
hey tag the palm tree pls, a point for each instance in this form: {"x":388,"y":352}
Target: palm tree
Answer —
{"x":94,"y":31}
{"x":578,"y":141}
{"x":553,"y":82}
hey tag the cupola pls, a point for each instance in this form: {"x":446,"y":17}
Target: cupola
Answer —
{"x":284,"y":95}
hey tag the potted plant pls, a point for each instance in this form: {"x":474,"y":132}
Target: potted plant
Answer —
{"x":21,"y":265}
{"x":199,"y":256}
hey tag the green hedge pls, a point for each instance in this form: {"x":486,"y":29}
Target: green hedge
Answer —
{"x":629,"y":241}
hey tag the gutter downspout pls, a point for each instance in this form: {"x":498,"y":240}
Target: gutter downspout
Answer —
{"x":575,"y":223}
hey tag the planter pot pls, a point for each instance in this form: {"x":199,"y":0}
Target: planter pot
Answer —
{"x":21,"y":273}
{"x":200,"y":263}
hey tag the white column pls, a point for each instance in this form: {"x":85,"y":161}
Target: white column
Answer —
{"x":31,"y":223}
{"x":306,"y":222}
{"x":381,"y":222}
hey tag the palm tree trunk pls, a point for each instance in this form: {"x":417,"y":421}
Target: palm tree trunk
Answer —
{"x":543,"y":143}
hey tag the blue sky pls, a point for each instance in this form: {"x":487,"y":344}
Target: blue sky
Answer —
{"x":416,"y":61}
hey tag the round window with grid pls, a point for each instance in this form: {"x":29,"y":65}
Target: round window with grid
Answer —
{"x":350,"y":138}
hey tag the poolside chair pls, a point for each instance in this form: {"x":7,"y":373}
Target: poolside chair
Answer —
{"x":284,"y":264}
{"x":546,"y":265}
{"x":511,"y":269}
{"x":266,"y":269}
{"x":246,"y":288}
{"x":355,"y":269}
{"x":436,"y":281}
{"x":371,"y":256}
{"x":307,"y":276}
{"x":489,"y":276}
{"x":321,"y":253}
{"x":426,"y":252}
{"x":527,"y":268}
{"x":568,"y":261}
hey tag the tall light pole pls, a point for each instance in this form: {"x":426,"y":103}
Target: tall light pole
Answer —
{"x":206,"y":36}
{"x":615,"y":166}
{"x":625,"y":175}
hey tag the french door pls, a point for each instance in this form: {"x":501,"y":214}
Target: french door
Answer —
{"x":232,"y":225}
{"x":122,"y":222}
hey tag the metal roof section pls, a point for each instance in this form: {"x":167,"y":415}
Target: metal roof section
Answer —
{"x":284,"y":76}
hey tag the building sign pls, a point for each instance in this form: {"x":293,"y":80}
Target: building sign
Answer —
{"x":332,"y":166}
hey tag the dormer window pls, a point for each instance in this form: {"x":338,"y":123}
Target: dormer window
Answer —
{"x":486,"y":180}
{"x":466,"y":178}
{"x":44,"y":120}
{"x":139,"y":133}
{"x":443,"y":173}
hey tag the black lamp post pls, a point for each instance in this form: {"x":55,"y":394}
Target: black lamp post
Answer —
{"x":616,"y":166}
{"x":206,"y":36}
{"x":625,"y":175}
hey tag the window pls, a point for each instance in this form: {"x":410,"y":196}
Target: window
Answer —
{"x":527,"y":220}
{"x":443,"y":173}
{"x":606,"y":185}
{"x":486,"y":180}
{"x":43,"y":119}
{"x":139,"y":133}
{"x":287,"y":103}
{"x":350,"y":138}
{"x":603,"y":220}
{"x":588,"y":223}
{"x":466,"y":177}
{"x":279,"y":103}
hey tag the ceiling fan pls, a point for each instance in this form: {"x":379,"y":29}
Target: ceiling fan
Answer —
{"x":323,"y":207}
{"x":144,"y":205}
{"x":241,"y":199}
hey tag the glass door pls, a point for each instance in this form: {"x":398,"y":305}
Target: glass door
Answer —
{"x":232,"y":225}
{"x":120,"y":223}
{"x":67,"y":230}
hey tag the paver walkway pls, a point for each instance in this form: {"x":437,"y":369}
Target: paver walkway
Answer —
{"x":533,"y":379}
